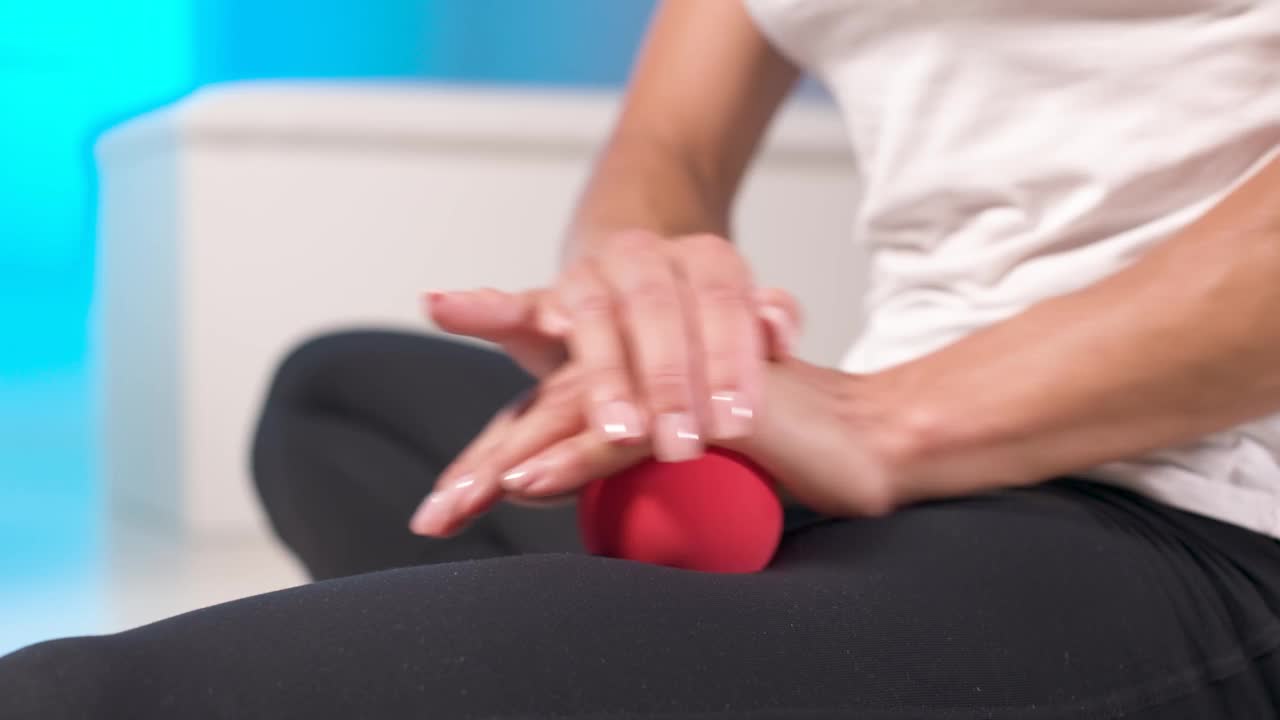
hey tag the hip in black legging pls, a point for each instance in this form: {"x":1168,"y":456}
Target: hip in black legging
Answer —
{"x":1066,"y":600}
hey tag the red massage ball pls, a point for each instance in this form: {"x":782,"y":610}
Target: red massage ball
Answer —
{"x":718,"y":513}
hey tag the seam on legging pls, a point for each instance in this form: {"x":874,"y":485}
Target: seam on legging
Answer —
{"x":1117,"y":705}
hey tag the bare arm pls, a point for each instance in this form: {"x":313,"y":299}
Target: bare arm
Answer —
{"x":1184,"y":342}
{"x":704,"y":88}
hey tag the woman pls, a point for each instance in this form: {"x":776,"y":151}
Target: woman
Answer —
{"x":1051,"y":464}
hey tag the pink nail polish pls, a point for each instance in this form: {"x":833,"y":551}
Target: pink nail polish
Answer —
{"x":676,"y":438}
{"x":471,"y":494}
{"x":618,"y":420}
{"x":522,"y":476}
{"x":463,"y":482}
{"x":731,"y":414}
{"x":432,"y":514}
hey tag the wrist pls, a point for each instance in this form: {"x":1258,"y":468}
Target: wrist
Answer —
{"x":584,"y":242}
{"x":938,"y":440}
{"x":891,"y":432}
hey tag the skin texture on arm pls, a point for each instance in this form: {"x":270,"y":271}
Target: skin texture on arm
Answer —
{"x":1180,"y":344}
{"x":704,"y":88}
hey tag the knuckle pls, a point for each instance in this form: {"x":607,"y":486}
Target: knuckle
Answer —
{"x":667,"y":385}
{"x":581,"y":290}
{"x":711,"y":259}
{"x":589,"y":301}
{"x":722,"y":364}
{"x":722,"y":292}
{"x":652,"y":293}
{"x":608,"y":381}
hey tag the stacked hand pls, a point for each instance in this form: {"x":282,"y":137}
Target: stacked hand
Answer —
{"x":670,"y":348}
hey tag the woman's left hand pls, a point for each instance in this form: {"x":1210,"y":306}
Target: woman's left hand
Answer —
{"x":830,"y":441}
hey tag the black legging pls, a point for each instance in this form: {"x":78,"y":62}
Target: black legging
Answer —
{"x":1067,"y":600}
{"x":355,"y":430}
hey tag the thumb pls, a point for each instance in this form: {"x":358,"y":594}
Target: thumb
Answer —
{"x":782,"y":318}
{"x":512,"y":320}
{"x":487,"y":314}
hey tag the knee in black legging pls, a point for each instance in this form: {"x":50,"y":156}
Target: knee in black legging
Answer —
{"x":303,"y":385}
{"x":315,"y":365}
{"x":68,"y":678}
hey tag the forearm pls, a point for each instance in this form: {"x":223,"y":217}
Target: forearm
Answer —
{"x":641,"y":182}
{"x":1184,"y":342}
{"x":705,"y":86}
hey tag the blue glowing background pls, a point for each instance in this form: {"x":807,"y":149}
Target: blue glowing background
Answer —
{"x":71,"y":68}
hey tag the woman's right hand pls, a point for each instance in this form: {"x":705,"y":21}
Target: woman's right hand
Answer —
{"x":667,"y":332}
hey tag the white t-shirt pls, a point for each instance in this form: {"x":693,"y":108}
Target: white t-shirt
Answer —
{"x":1012,"y":150}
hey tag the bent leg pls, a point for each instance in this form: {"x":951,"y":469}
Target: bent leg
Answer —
{"x":1063,"y":601}
{"x":356,"y":428}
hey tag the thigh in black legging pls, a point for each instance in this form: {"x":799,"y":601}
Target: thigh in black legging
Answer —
{"x":355,"y":430}
{"x":1056,"y":602}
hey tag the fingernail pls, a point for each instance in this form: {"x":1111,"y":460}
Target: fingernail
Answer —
{"x":732,"y":414}
{"x":430,"y":299}
{"x":470,"y":493}
{"x":432,"y":514}
{"x":618,"y":420}
{"x":522,"y":476}
{"x":544,"y":480}
{"x":676,"y":438}
{"x":784,"y":334}
{"x":463,"y":482}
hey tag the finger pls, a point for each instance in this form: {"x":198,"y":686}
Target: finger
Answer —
{"x":488,"y":314}
{"x":516,"y":321}
{"x":437,"y":512}
{"x":784,"y":301}
{"x":492,"y":436}
{"x":656,"y":332}
{"x":475,"y":478}
{"x":555,"y":416}
{"x":540,"y":503}
{"x":782,"y":319}
{"x":597,"y":349}
{"x":574,"y":462}
{"x":728,"y":332}
{"x":552,"y":320}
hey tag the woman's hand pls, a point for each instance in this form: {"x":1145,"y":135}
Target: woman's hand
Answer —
{"x":532,"y":444}
{"x":665,"y":334}
{"x":512,"y":454}
{"x":829,"y":441}
{"x":834,"y":441}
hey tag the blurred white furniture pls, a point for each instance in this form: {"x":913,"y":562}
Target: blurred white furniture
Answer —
{"x":246,"y":218}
